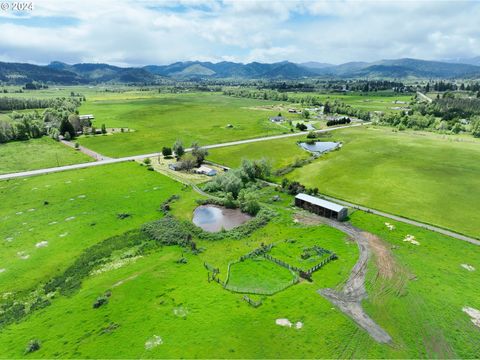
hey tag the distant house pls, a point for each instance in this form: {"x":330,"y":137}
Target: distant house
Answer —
{"x":86,"y":117}
{"x":321,"y":207}
{"x":293,"y":111}
{"x":277,"y":119}
{"x":205,"y":170}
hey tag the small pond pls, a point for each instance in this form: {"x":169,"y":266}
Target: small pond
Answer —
{"x":319,"y":146}
{"x":214,"y":218}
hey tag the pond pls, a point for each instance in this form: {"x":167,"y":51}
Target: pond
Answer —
{"x":213,"y":218}
{"x":319,"y":146}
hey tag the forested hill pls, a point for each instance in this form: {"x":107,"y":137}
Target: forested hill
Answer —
{"x":61,"y":73}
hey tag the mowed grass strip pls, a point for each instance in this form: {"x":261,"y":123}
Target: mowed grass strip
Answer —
{"x":48,"y":220}
{"x":159,"y":120}
{"x":35,"y":154}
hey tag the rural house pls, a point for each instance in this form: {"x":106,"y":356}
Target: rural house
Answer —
{"x":205,"y":170}
{"x":321,"y":207}
{"x":276,"y":119}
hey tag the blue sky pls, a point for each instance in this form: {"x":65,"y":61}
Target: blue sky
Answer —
{"x":127,"y":32}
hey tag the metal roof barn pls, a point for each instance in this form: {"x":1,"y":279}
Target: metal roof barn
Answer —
{"x":321,"y":207}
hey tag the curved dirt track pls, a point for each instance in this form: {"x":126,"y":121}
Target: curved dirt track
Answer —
{"x":349,"y":299}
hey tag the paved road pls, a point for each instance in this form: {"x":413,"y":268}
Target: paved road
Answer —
{"x":107,"y":161}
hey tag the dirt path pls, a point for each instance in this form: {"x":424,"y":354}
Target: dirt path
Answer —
{"x":349,"y":298}
{"x":86,"y":151}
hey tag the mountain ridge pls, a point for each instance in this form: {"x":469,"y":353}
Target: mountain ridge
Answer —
{"x":93,"y":73}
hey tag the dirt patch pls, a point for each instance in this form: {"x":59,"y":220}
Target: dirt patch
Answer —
{"x":386,"y":264}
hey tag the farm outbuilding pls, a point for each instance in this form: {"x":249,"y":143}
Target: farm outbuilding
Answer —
{"x":86,"y":117}
{"x":321,"y":207}
{"x":205,"y":170}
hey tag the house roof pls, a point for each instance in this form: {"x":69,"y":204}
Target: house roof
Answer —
{"x":320,"y":202}
{"x":204,"y":168}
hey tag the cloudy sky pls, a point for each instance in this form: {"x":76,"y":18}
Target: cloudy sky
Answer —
{"x":127,"y":32}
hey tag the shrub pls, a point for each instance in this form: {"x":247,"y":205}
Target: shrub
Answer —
{"x":169,"y":231}
{"x":100,"y":301}
{"x":32,"y":346}
{"x":301,"y":126}
{"x":147,"y":161}
{"x":311,"y":135}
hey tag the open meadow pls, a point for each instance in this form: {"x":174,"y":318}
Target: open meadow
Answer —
{"x":160,"y":119}
{"x":48,"y":220}
{"x":418,"y":175}
{"x":39,"y":153}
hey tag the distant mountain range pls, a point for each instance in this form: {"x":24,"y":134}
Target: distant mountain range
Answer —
{"x":61,"y":73}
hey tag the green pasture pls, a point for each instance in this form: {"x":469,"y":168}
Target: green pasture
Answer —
{"x":161,"y":119}
{"x":423,"y":176}
{"x":368,"y":102}
{"x":291,"y":250}
{"x":39,"y":153}
{"x":279,"y":153}
{"x":259,"y":276}
{"x":154,"y":295}
{"x":71,"y":211}
{"x":421,"y":304}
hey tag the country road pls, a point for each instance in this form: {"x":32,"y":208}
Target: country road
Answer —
{"x":107,"y":161}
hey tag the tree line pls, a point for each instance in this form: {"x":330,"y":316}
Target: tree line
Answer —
{"x":59,"y":118}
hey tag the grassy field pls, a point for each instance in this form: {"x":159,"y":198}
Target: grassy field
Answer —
{"x":152,"y":295}
{"x":160,"y":308}
{"x":291,"y":250}
{"x":419,"y":295}
{"x":423,"y":176}
{"x":71,"y":211}
{"x":368,"y":102}
{"x":258,"y":275}
{"x":37,"y":154}
{"x":161,"y":119}
{"x":280,"y":153}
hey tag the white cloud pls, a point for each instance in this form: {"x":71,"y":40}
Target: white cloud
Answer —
{"x":156,"y":32}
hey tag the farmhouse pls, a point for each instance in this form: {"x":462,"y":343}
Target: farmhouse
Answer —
{"x":277,"y":119}
{"x":86,"y":117}
{"x":205,"y":170}
{"x":321,"y":207}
